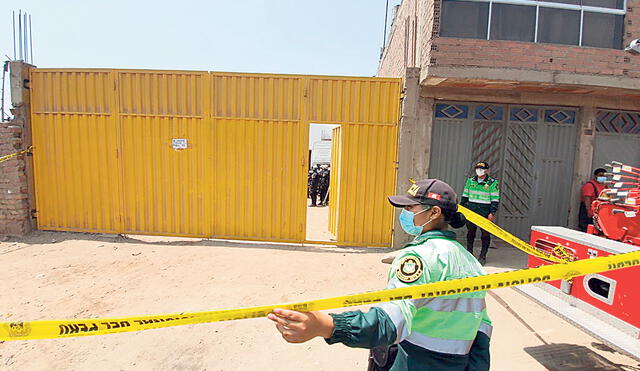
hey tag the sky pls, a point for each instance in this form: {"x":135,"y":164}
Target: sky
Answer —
{"x":328,"y":37}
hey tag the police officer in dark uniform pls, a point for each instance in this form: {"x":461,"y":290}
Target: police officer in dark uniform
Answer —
{"x":328,"y":180}
{"x":313,"y":186}
{"x":309,"y":183}
{"x":323,"y":185}
{"x":326,"y":197}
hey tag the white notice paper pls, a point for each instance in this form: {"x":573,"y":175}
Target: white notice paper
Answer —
{"x":179,"y":143}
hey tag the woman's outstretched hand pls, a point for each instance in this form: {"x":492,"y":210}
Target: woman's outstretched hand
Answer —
{"x":298,"y":327}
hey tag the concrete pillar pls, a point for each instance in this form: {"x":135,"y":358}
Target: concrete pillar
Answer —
{"x":17,"y":199}
{"x":582,"y":166}
{"x":414,"y":142}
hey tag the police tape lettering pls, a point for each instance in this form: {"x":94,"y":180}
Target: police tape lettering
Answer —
{"x":507,"y":237}
{"x":101,"y":326}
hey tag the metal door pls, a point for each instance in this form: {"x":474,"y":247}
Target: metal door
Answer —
{"x":367,"y":177}
{"x":259,"y":157}
{"x":517,"y":181}
{"x":555,"y":153}
{"x":77,"y":171}
{"x":452,"y":136}
{"x":529,"y":148}
{"x":164,"y":147}
{"x":617,"y":138}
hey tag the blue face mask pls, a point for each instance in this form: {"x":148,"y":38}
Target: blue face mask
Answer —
{"x":406,"y":222}
{"x":601,"y":179}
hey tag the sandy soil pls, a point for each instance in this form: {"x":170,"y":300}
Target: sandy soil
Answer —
{"x":318,"y":223}
{"x":71,"y":275}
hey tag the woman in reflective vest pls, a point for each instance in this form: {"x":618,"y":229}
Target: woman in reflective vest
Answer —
{"x":443,"y":333}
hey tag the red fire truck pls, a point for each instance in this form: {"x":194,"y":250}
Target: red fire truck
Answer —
{"x":612,"y":297}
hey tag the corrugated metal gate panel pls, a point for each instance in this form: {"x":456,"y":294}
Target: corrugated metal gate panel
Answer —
{"x":162,"y":93}
{"x":259,"y":157}
{"x":167,"y":191}
{"x":336,"y":100}
{"x":260,"y":180}
{"x":80,"y":173}
{"x":243,"y":173}
{"x":334,"y":191}
{"x":76,"y":169}
{"x":367,"y":177}
{"x":518,"y":177}
{"x":616,"y":147}
{"x":164,"y":188}
{"x":488,"y":138}
{"x":257,"y":96}
{"x":71,"y":91}
{"x":451,"y":139}
{"x":556,"y":146}
{"x":617,"y":138}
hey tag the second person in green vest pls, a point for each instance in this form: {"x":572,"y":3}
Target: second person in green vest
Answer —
{"x":481,"y":194}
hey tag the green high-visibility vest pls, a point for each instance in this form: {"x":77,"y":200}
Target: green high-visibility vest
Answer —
{"x":483,"y":196}
{"x":447,"y":324}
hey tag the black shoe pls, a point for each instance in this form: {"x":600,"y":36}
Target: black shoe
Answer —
{"x":482,"y":260}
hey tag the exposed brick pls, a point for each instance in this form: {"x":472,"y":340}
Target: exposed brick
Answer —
{"x":399,"y":52}
{"x":14,"y":198}
{"x":441,"y":51}
{"x":547,"y":57}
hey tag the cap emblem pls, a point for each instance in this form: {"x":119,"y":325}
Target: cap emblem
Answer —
{"x":413,"y":191}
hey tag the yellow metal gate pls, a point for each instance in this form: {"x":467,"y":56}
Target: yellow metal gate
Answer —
{"x":334,"y":190}
{"x":201,"y":154}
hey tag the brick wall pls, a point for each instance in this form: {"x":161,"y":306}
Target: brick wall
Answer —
{"x":434,"y":50}
{"x":531,"y":56}
{"x":14,"y":197}
{"x":400,"y":51}
{"x":632,"y":22}
{"x":16,"y":183}
{"x":430,"y":14}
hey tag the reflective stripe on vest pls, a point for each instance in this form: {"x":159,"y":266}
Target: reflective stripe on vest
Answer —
{"x":395,"y":313}
{"x":484,"y":202}
{"x":468,"y":305}
{"x":449,"y":346}
{"x":486,"y":328}
{"x":480,"y":197}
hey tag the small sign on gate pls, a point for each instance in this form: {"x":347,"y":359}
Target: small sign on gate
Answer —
{"x":179,"y":143}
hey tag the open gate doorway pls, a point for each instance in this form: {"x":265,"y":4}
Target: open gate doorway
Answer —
{"x":323,"y":147}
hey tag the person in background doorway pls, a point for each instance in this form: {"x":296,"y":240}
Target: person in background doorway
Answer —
{"x":326,"y":198}
{"x":481,"y":195}
{"x":590,"y":191}
{"x":309,"y":175}
{"x":323,"y":184}
{"x":314,"y":185}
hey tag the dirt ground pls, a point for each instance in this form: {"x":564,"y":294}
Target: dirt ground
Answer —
{"x":53,"y":275}
{"x":318,"y":223}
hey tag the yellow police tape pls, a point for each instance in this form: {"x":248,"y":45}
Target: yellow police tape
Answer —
{"x":8,"y":157}
{"x":101,"y":326}
{"x":507,"y":237}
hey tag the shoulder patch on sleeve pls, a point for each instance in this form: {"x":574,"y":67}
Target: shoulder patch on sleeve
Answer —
{"x":409,"y":269}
